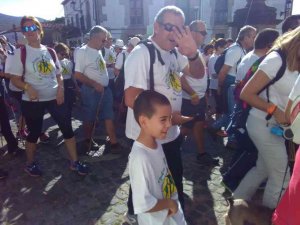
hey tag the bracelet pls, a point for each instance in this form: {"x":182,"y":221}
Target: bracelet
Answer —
{"x":270,"y":111}
{"x":195,"y":57}
{"x":25,"y":87}
{"x":194,"y":95}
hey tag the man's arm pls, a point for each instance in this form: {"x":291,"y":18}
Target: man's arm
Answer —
{"x":87,"y":81}
{"x":188,"y":89}
{"x":162,"y":204}
{"x":130,"y":95}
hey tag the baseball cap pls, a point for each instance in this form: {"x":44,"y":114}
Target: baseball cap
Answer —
{"x":119,"y":43}
{"x":134,"y":41}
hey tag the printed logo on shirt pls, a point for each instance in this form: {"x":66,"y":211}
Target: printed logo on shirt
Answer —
{"x":101,"y":65}
{"x":168,"y":187}
{"x":64,"y":71}
{"x":43,"y":66}
{"x":111,"y":59}
{"x":173,"y":81}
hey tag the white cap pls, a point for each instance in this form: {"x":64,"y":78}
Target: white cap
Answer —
{"x":134,"y":41}
{"x":119,"y":43}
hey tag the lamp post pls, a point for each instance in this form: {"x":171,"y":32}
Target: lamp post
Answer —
{"x":73,"y":3}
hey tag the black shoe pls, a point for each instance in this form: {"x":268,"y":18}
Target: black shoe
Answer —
{"x":91,"y":145}
{"x":3,"y":174}
{"x":206,"y":159}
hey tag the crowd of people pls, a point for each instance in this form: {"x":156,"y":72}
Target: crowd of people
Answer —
{"x":168,"y":86}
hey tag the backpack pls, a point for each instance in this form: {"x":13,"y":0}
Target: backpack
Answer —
{"x":24,"y":54}
{"x":120,"y":82}
{"x":221,"y":59}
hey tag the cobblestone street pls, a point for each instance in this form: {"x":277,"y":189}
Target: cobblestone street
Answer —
{"x":61,"y":197}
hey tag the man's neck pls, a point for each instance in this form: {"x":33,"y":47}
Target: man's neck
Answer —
{"x":260,"y":52}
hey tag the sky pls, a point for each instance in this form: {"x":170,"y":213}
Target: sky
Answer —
{"x":50,"y":9}
{"x":46,"y":9}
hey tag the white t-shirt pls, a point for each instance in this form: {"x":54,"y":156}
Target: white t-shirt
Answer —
{"x":232,"y":57}
{"x":245,"y":65}
{"x":198,"y":85}
{"x":40,"y":71}
{"x":10,"y":85}
{"x":296,"y":90}
{"x":151,"y":180}
{"x":280,"y":90}
{"x":90,"y":62}
{"x":110,"y":58}
{"x":67,"y":68}
{"x":166,"y":82}
{"x":119,"y":60}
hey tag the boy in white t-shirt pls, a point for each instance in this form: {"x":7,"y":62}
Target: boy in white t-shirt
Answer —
{"x":155,"y":198}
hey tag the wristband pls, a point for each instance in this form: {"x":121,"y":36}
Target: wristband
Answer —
{"x":270,"y":111}
{"x":195,"y":57}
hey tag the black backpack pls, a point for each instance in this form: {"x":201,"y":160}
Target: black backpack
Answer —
{"x":221,"y":59}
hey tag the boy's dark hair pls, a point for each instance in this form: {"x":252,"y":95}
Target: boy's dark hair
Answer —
{"x":265,"y":38}
{"x":145,"y":102}
{"x":290,"y":22}
{"x":220,"y":42}
{"x":207,"y":47}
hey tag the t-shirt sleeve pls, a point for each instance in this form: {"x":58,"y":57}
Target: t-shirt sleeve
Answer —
{"x":143,"y":200}
{"x":13,"y":64}
{"x":232,"y":56}
{"x":79,"y":62}
{"x":271,"y":64}
{"x":137,"y":67}
{"x":296,"y":90}
{"x":119,"y":61}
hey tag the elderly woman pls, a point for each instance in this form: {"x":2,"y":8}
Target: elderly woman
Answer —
{"x":266,"y":113}
{"x":41,"y":80}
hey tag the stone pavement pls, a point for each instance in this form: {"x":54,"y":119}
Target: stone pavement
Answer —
{"x":61,"y":197}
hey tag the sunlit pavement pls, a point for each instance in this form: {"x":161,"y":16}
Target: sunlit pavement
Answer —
{"x":61,"y":197}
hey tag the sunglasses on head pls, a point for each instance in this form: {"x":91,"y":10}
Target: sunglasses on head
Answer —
{"x":202,"y":32}
{"x":30,"y":28}
{"x":169,"y":27}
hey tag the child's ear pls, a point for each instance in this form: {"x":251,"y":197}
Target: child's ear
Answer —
{"x":142,"y":120}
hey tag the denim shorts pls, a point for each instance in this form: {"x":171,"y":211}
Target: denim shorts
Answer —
{"x":90,"y":103}
{"x":188,"y":109}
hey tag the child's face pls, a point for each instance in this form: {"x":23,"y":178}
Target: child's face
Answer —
{"x":158,"y":125}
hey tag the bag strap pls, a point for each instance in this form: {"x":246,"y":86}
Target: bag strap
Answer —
{"x":53,"y":55}
{"x":151,"y":50}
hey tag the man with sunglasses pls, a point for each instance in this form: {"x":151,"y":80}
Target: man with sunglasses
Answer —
{"x":91,"y":71}
{"x":169,"y":36}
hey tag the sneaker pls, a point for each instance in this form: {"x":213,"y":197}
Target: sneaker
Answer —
{"x":222,"y":133}
{"x":22,"y":134}
{"x":44,"y":138}
{"x":33,"y":170}
{"x":206,"y":159}
{"x":130,"y":219}
{"x":91,"y":145}
{"x":3,"y":174}
{"x":82,"y":169}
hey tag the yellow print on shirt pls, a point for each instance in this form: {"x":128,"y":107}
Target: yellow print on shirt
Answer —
{"x":111,"y":59}
{"x":168,"y":186}
{"x":173,"y":81}
{"x":64,"y":71}
{"x":101,"y":65}
{"x":44,"y":67}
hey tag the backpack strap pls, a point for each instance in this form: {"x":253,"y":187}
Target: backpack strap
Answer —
{"x":23,"y":58}
{"x":279,"y":74}
{"x":103,"y":52}
{"x":53,"y":55}
{"x":151,"y":50}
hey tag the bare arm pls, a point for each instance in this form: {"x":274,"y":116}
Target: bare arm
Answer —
{"x":162,"y":204}
{"x":89,"y":82}
{"x":130,"y":95}
{"x":116,"y":71}
{"x":288,"y":111}
{"x":19,"y":83}
{"x":250,"y":95}
{"x":187,"y":88}
{"x":60,"y":89}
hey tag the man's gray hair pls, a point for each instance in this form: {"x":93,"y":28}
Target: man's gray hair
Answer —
{"x":97,"y":29}
{"x":159,"y":18}
{"x":244,"y":32}
{"x":194,"y":24}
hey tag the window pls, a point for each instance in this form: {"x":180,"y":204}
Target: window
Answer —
{"x":136,"y":12}
{"x":221,"y":11}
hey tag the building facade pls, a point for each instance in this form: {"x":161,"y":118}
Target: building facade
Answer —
{"x":124,"y":18}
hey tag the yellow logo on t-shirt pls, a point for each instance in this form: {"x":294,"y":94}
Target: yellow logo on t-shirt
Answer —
{"x":101,"y":65}
{"x":64,"y":71}
{"x":111,"y":59}
{"x":44,"y":67}
{"x":168,"y":186}
{"x":174,"y":81}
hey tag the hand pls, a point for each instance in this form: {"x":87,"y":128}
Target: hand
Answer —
{"x":195,"y":100}
{"x":32,"y":94}
{"x":280,"y":117}
{"x":98,"y":87}
{"x":173,"y":207}
{"x":178,"y":119}
{"x":186,"y":44}
{"x":60,"y":96}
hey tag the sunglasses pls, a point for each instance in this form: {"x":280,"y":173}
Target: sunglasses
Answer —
{"x":30,"y":28}
{"x":169,"y":27}
{"x":202,"y":32}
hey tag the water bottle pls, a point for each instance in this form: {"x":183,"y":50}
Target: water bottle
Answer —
{"x":276,"y":130}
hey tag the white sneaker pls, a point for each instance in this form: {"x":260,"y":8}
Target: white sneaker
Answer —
{"x":130,"y":219}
